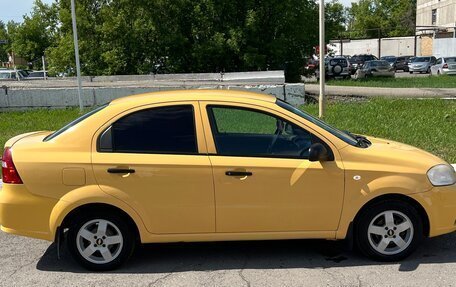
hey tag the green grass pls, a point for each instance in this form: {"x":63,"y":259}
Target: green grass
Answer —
{"x":428,"y":124}
{"x":15,"y":123}
{"x":411,"y":82}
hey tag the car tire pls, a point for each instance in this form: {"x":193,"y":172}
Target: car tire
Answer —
{"x":411,"y":72}
{"x":388,"y":231}
{"x":101,"y":242}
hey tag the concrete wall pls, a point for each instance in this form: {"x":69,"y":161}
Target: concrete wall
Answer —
{"x":398,"y":46}
{"x":444,"y":47}
{"x":92,"y":96}
{"x":218,"y":77}
{"x":366,"y":46}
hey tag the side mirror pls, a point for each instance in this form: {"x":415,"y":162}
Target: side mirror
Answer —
{"x":318,"y":152}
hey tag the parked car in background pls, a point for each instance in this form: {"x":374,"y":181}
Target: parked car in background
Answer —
{"x":337,"y":67}
{"x":402,"y":63}
{"x":398,"y":63}
{"x":12,"y":75}
{"x":377,"y":68}
{"x":444,"y":66}
{"x":357,"y":61}
{"x":422,"y":64}
{"x":37,"y":75}
{"x":391,"y":60}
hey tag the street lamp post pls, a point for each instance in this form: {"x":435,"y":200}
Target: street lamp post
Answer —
{"x":322,"y":103}
{"x":76,"y":53}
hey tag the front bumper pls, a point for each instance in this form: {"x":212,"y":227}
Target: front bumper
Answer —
{"x":24,"y":213}
{"x":383,"y":74}
{"x":448,"y":72}
{"x":440,"y":206}
{"x":416,"y":69}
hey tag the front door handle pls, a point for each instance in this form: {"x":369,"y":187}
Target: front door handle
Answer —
{"x":121,"y":170}
{"x":238,"y":173}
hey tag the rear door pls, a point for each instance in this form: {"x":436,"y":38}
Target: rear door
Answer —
{"x":155,"y":159}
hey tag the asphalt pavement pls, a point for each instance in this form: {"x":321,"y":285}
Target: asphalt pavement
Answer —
{"x":30,"y":262}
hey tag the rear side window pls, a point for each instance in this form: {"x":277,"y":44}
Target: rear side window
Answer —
{"x":163,"y":130}
{"x":73,"y":123}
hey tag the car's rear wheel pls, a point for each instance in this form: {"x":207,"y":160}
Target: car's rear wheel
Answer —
{"x":100,"y":241}
{"x":389,"y":231}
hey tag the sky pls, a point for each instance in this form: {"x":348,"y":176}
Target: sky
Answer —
{"x":15,"y":9}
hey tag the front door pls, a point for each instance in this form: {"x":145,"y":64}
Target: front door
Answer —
{"x":263,"y":179}
{"x":155,"y":160}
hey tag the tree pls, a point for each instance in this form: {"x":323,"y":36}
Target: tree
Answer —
{"x":336,"y":19}
{"x":3,"y":47}
{"x":31,"y":38}
{"x":387,"y":18}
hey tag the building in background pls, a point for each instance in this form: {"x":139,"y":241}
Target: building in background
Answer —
{"x":436,"y":17}
{"x":436,"y":26}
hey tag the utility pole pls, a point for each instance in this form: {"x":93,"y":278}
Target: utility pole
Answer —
{"x":44,"y":68}
{"x":321,"y":100}
{"x":76,"y":53}
{"x":379,"y":43}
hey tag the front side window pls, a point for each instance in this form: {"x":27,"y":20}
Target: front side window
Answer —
{"x":345,"y":136}
{"x":251,"y":133}
{"x":162,"y":130}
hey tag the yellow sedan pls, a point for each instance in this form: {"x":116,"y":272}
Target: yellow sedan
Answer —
{"x":217,"y":165}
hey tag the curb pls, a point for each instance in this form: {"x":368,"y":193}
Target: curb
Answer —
{"x":447,"y":93}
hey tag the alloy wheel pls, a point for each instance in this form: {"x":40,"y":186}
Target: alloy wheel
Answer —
{"x":390,"y":232}
{"x":99,"y":241}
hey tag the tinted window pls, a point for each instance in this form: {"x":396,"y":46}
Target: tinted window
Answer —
{"x":421,"y":59}
{"x":246,"y":132}
{"x":168,"y":129}
{"x":339,"y":61}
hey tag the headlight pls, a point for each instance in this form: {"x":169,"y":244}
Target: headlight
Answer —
{"x":442,"y":174}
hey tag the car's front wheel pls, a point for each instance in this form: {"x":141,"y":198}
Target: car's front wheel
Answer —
{"x":389,"y":231}
{"x":100,"y":241}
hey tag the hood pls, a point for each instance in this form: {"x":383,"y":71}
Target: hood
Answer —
{"x":391,"y":156}
{"x":419,"y":63}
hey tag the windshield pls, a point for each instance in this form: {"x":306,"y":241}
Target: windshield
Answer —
{"x":450,"y":60}
{"x":421,"y":59}
{"x":346,"y":137}
{"x":73,"y":123}
{"x":379,"y":64}
{"x":389,"y":59}
{"x":4,"y":75}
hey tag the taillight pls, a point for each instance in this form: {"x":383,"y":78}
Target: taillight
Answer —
{"x":445,"y":66}
{"x":9,"y":172}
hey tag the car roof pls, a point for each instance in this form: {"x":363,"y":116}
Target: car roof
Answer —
{"x":182,"y":95}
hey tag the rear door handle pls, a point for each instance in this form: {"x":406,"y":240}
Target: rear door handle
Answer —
{"x":121,"y":170}
{"x":238,"y":173}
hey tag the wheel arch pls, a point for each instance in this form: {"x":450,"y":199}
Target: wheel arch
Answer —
{"x":70,"y":217}
{"x":399,"y":197}
{"x":90,"y":198}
